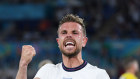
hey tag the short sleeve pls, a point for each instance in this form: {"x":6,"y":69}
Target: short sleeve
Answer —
{"x":102,"y":75}
{"x":44,"y":71}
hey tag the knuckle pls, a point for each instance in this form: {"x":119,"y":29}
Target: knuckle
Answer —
{"x":24,"y":46}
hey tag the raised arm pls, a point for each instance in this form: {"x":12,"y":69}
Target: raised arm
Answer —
{"x":26,"y":56}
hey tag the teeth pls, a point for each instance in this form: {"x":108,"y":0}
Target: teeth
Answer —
{"x":69,"y":43}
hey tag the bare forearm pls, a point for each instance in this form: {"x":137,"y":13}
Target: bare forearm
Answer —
{"x":26,"y":56}
{"x":22,"y":72}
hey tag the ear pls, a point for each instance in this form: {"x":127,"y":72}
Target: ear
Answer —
{"x":57,"y":39}
{"x":84,"y":42}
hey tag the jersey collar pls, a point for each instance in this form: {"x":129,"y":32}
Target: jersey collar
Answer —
{"x":74,"y":69}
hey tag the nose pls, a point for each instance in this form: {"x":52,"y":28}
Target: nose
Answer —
{"x":69,"y":35}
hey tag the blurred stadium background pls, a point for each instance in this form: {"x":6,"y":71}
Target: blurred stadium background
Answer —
{"x":113,"y":29}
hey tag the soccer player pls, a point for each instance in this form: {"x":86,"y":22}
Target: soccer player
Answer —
{"x":71,"y":39}
{"x":131,"y":67}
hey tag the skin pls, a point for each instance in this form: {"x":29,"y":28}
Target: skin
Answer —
{"x":133,"y":68}
{"x":74,"y":31}
{"x":26,"y":56}
{"x":69,"y":31}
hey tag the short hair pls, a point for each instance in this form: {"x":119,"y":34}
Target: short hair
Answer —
{"x":73,"y":18}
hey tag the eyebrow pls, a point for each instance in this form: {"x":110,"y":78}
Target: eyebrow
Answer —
{"x":72,"y":31}
{"x":63,"y":31}
{"x":75,"y":31}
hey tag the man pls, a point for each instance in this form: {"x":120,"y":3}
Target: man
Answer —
{"x":131,"y":67}
{"x":71,"y":39}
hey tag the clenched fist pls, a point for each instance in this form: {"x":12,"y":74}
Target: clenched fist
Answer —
{"x":27,"y":54}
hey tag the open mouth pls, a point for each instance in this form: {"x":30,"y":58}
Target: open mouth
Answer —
{"x":70,"y":43}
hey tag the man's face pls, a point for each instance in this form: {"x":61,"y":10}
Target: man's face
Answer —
{"x":136,"y":66}
{"x":71,"y":39}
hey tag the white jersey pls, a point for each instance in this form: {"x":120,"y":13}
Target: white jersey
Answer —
{"x":59,"y":71}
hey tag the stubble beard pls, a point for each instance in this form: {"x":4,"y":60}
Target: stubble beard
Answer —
{"x":70,"y":54}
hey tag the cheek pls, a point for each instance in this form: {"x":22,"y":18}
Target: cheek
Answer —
{"x":80,"y":39}
{"x":59,"y":41}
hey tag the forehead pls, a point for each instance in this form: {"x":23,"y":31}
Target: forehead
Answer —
{"x":70,"y":26}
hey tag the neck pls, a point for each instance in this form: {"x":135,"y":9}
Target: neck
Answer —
{"x":73,"y":61}
{"x":131,"y":71}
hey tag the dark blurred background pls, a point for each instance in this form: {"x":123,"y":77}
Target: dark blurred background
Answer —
{"x":113,"y":29}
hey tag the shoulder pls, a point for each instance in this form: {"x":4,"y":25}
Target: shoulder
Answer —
{"x":50,"y":66}
{"x":100,"y":73}
{"x":128,"y":75}
{"x":94,"y":68}
{"x":124,"y":76}
{"x":46,"y":70}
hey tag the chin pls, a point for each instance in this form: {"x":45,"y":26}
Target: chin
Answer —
{"x":70,"y":54}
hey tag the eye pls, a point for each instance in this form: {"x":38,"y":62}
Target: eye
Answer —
{"x":75,"y":32}
{"x":63,"y":32}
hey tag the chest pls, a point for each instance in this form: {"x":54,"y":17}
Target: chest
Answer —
{"x":73,"y":75}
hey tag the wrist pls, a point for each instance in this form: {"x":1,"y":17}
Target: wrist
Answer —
{"x":23,"y":64}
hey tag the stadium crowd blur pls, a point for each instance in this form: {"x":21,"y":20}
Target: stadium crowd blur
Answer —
{"x":113,"y":29}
